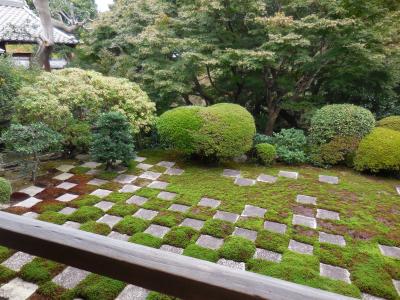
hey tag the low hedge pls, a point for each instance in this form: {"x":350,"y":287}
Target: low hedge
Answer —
{"x":266,"y":153}
{"x":392,"y":122}
{"x":5,"y":190}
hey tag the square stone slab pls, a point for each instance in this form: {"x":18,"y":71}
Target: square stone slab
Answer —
{"x":171,"y":249}
{"x":275,"y":227}
{"x":67,"y":211}
{"x":138,"y":200}
{"x":166,"y":164}
{"x":91,"y":165}
{"x":125,"y":179}
{"x":287,"y":174}
{"x":209,"y":242}
{"x":109,"y":220}
{"x":17,"y":261}
{"x":67,"y":197}
{"x":166,"y":196}
{"x":129,"y":188}
{"x":398,"y":189}
{"x":246,"y":233}
{"x":208,"y":202}
{"x":31,"y":215}
{"x":306,"y":199}
{"x":179,"y":208}
{"x":327,"y":214}
{"x":335,"y":273}
{"x":301,"y":248}
{"x":159,"y":185}
{"x":232,"y":264}
{"x":101,"y":193}
{"x":174,"y":172}
{"x":17,"y":289}
{"x":93,"y":172}
{"x":28,"y":203}
{"x":370,"y":297}
{"x":66,"y":185}
{"x":332,"y":239}
{"x":193,"y":223}
{"x":390,"y":251}
{"x":97,"y":182}
{"x":328,"y":179}
{"x":304,"y":221}
{"x":143,"y":166}
{"x":150,"y":175}
{"x":267,"y":255}
{"x":32,"y":190}
{"x":146,"y":214}
{"x":266,"y":178}
{"x":104,"y":205}
{"x":231,"y":173}
{"x":133,"y":292}
{"x":396,"y":284}
{"x":226,"y":216}
{"x":253,"y":211}
{"x":65,"y":168}
{"x":70,"y":277}
{"x":63,"y":176}
{"x":73,"y":225}
{"x":157,"y":230}
{"x":118,"y":236}
{"x":244,"y":181}
{"x":140,"y":159}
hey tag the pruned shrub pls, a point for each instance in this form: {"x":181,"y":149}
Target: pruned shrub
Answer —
{"x":392,"y":122}
{"x":379,"y":151}
{"x":266,"y":153}
{"x":5,"y":190}
{"x":290,"y":145}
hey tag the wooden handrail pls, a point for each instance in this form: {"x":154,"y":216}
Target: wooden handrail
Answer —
{"x":153,"y":269}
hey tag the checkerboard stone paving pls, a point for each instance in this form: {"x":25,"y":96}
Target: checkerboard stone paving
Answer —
{"x":332,"y":239}
{"x":132,"y":292}
{"x":301,"y":248}
{"x":226,"y":216}
{"x":97,"y":182}
{"x":150,"y":175}
{"x":287,"y":174}
{"x":209,"y":202}
{"x":232,"y":264}
{"x":303,"y":199}
{"x":125,"y":179}
{"x":67,"y":197}
{"x":335,"y":273}
{"x":66,"y":185}
{"x":129,"y":188}
{"x":31,"y":215}
{"x":91,"y":165}
{"x":174,"y":171}
{"x":327,"y":215}
{"x":244,"y":181}
{"x":109,"y":220}
{"x":209,"y":242}
{"x":101,"y":193}
{"x":159,"y":185}
{"x":275,"y":227}
{"x":267,"y":255}
{"x":166,"y":164}
{"x":304,"y":221}
{"x":253,"y":211}
{"x":140,"y":159}
{"x":17,"y":289}
{"x":17,"y":261}
{"x":266,"y":178}
{"x":28,"y":203}
{"x":231,"y":173}
{"x":390,"y":251}
{"x":118,"y":236}
{"x":63,"y":176}
{"x":73,"y":225}
{"x":67,"y":211}
{"x":245,"y":233}
{"x":167,"y":196}
{"x":32,"y":190}
{"x":179,"y":208}
{"x":104,"y":205}
{"x":137,"y":200}
{"x":143,"y":166}
{"x":157,"y":230}
{"x":328,"y":179}
{"x":70,"y":277}
{"x":171,"y":249}
{"x":65,"y":168}
{"x":146,"y":214}
{"x":193,"y":223}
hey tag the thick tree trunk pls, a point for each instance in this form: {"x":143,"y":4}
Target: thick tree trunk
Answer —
{"x":273,"y":114}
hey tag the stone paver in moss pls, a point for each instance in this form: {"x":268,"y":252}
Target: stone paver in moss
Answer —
{"x":209,"y":202}
{"x":133,"y":292}
{"x":125,"y":178}
{"x":390,"y":251}
{"x":67,"y":197}
{"x":301,"y":248}
{"x":146,"y":214}
{"x":70,"y":277}
{"x":303,"y":199}
{"x":157,"y":230}
{"x":17,"y":261}
{"x":244,"y":181}
{"x":267,"y":178}
{"x":101,"y":193}
{"x":335,"y":273}
{"x":150,"y":175}
{"x":70,"y":224}
{"x":246,"y":233}
{"x":231,"y":173}
{"x":370,"y":297}
{"x":65,"y":168}
{"x":209,"y":242}
{"x":327,"y":214}
{"x":31,"y":215}
{"x":159,"y":185}
{"x":396,"y":284}
{"x":226,"y":216}
{"x":267,"y":255}
{"x":166,"y":196}
{"x":179,"y":208}
{"x":304,"y":221}
{"x":174,"y":172}
{"x":118,"y":236}
{"x":32,"y":190}
{"x":67,"y":211}
{"x":193,"y":223}
{"x":332,"y":239}
{"x":140,"y":159}
{"x":288,"y":174}
{"x":17,"y":289}
{"x":104,"y":205}
{"x":28,"y":203}
{"x":109,"y":220}
{"x":93,"y":172}
{"x":91,"y":165}
{"x":143,"y":166}
{"x":171,"y":249}
{"x":97,"y":182}
{"x":253,"y":211}
{"x":66,"y":185}
{"x":275,"y":227}
{"x":138,"y":200}
{"x":398,"y":189}
{"x":166,"y":164}
{"x":328,"y":179}
{"x":63,"y":176}
{"x":232,"y":264}
{"x":129,"y":188}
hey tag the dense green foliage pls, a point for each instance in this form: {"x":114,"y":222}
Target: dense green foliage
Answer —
{"x":77,"y":138}
{"x":290,"y":145}
{"x":392,"y":122}
{"x":266,"y":153}
{"x":220,"y":131}
{"x":379,"y":151}
{"x":5,"y":190}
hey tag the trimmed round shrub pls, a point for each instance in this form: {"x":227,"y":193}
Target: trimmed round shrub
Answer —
{"x":290,"y":146}
{"x":266,"y":153}
{"x":379,"y":151}
{"x":218,"y":132}
{"x":5,"y":190}
{"x":340,"y":120}
{"x":392,"y":122}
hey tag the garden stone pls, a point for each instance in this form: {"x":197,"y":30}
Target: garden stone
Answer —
{"x":166,"y":164}
{"x":17,"y":261}
{"x":104,"y":205}
{"x":70,"y":277}
{"x":174,"y":172}
{"x":28,"y":203}
{"x":146,"y":214}
{"x":246,"y":233}
{"x":93,"y":172}
{"x":159,"y":185}
{"x":118,"y":236}
{"x":398,"y":189}
{"x":275,"y":227}
{"x":232,"y":264}
{"x":253,"y":211}
{"x":179,"y":208}
{"x":67,"y":197}
{"x":31,"y":215}
{"x":133,"y":292}
{"x":73,"y":225}
{"x":300,"y":247}
{"x":65,"y":168}
{"x":266,"y":178}
{"x":231,"y":173}
{"x":32,"y":190}
{"x":63,"y":176}
{"x":91,"y":165}
{"x":138,"y":200}
{"x":125,"y":179}
{"x":171,"y":249}
{"x":67,"y":211}
{"x":370,"y":297}
{"x":304,"y":221}
{"x":244,"y":181}
{"x":150,"y":175}
{"x":209,"y":242}
{"x":332,"y":239}
{"x":390,"y":251}
{"x":335,"y":273}
{"x":143,"y":166}
{"x":140,"y":159}
{"x":17,"y":289}
{"x":287,"y":174}
{"x":157,"y":230}
{"x":66,"y":185}
{"x":329,"y":179}
{"x":226,"y":216}
{"x":396,"y":284}
{"x":267,"y":255}
{"x":129,"y":188}
{"x":101,"y":193}
{"x":166,"y":196}
{"x":97,"y":182}
{"x":109,"y":220}
{"x":208,"y":202}
{"x":306,"y":200}
{"x":193,"y":223}
{"x":327,"y":214}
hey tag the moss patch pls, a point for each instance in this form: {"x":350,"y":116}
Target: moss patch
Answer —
{"x":218,"y":228}
{"x":201,"y":253}
{"x":146,"y":240}
{"x":131,"y":225}
{"x":85,"y":214}
{"x":237,"y":248}
{"x":181,"y":236}
{"x":94,"y":227}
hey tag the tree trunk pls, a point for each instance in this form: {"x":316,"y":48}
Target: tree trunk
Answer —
{"x":273,"y":113}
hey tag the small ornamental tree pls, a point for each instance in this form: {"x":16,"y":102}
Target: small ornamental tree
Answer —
{"x":112,"y":140}
{"x":30,"y":142}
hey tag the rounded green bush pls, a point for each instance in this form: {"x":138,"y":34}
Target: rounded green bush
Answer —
{"x":5,"y":190}
{"x":379,"y":151}
{"x":220,"y":131}
{"x":340,"y":120}
{"x":392,"y":122}
{"x":266,"y":153}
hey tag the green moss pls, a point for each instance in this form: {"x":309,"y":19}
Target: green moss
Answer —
{"x":218,"y":228}
{"x":272,"y":241}
{"x":122,"y":210}
{"x":118,"y":197}
{"x":85,"y":214}
{"x":96,"y":287}
{"x":50,"y":290}
{"x":79,"y":170}
{"x":156,"y":204}
{"x":159,"y":296}
{"x":5,"y":253}
{"x":40,"y":270}
{"x":94,"y":227}
{"x":196,"y":251}
{"x":146,"y":240}
{"x":250,"y":223}
{"x":85,"y":200}
{"x":131,"y":225}
{"x":111,"y":186}
{"x":201,"y":212}
{"x":181,"y":236}
{"x":107,"y":175}
{"x":168,"y":218}
{"x":6,"y":274}
{"x":237,"y":248}
{"x":147,"y":192}
{"x":53,"y":217}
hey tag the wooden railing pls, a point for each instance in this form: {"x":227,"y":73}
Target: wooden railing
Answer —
{"x":153,"y":269}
